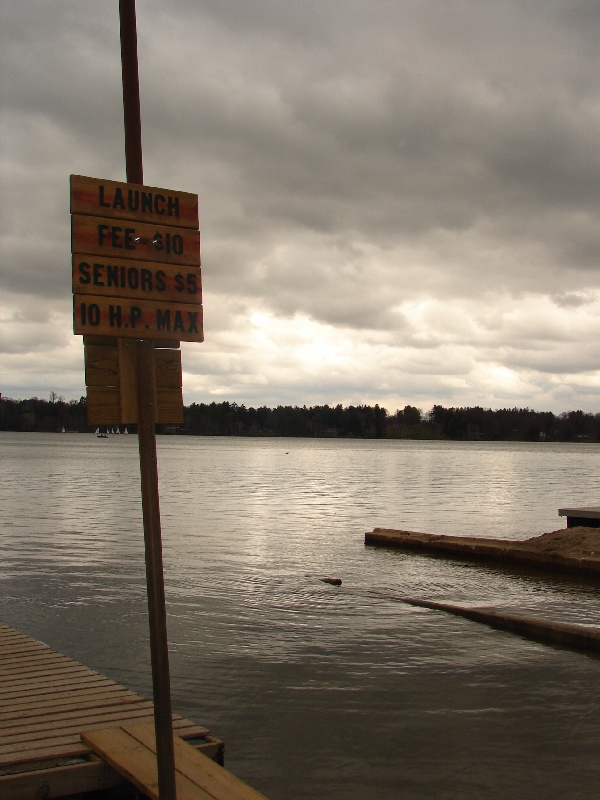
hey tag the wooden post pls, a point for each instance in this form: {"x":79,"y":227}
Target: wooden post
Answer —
{"x":159,"y":648}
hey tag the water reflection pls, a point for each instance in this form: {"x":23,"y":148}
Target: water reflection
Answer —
{"x":340,"y":691}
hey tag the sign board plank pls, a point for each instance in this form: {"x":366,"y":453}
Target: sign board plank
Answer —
{"x":101,"y":366}
{"x":167,"y":382}
{"x":141,"y":241}
{"x":127,"y":367}
{"x":138,"y":319}
{"x":104,"y":198}
{"x":169,"y":406}
{"x":104,"y":407}
{"x":107,"y":341}
{"x":111,"y":383}
{"x":112,"y":277}
{"x":167,"y":364}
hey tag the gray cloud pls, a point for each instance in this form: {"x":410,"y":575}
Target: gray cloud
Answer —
{"x":391,"y":180}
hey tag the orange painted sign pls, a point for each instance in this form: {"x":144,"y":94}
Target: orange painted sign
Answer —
{"x":112,"y":238}
{"x":136,"y":275}
{"x":112,"y":277}
{"x":131,"y":201}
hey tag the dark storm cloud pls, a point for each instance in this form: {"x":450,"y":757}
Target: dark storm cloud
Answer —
{"x":409,"y":169}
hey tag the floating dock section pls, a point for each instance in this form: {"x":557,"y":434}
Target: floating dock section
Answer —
{"x":47,"y":701}
{"x":500,"y":551}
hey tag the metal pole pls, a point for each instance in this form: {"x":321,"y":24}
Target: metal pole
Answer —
{"x":157,"y":616}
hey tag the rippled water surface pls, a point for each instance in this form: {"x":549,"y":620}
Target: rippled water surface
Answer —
{"x":342,"y":692}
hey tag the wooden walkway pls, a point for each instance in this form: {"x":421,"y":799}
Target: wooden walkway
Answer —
{"x":47,"y":701}
{"x":132,"y":751}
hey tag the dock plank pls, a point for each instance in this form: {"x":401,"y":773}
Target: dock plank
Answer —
{"x":131,"y":751}
{"x":47,"y":700}
{"x":197,"y":768}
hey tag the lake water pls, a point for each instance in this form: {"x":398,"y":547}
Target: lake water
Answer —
{"x":341,"y":693}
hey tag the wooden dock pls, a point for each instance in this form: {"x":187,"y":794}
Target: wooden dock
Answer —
{"x":588,"y":516}
{"x":47,"y":701}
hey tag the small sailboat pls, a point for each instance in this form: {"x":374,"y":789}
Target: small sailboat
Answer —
{"x":101,"y":435}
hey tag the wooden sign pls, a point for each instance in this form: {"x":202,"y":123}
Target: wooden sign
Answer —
{"x":111,"y":385}
{"x":136,"y":275}
{"x":103,"y":198}
{"x":110,"y":277}
{"x":139,"y":319}
{"x":111,"y":238}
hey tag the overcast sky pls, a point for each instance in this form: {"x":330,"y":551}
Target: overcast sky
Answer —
{"x":399,"y":199}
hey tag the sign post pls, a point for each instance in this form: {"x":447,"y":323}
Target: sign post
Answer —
{"x":136,"y":294}
{"x":159,"y":648}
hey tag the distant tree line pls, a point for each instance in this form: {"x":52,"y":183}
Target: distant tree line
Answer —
{"x":374,"y":422}
{"x":45,"y":416}
{"x":360,"y":422}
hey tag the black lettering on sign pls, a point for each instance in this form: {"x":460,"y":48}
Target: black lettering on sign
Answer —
{"x":178,"y":322}
{"x":102,"y":234}
{"x":112,"y":275}
{"x":163,"y":320}
{"x":84,"y":272}
{"x":171,"y":243}
{"x":193,"y":322}
{"x":135,"y":315}
{"x":101,"y":201}
{"x":118,"y":201}
{"x":116,"y":236}
{"x":134,"y":200}
{"x":133,"y":278}
{"x":89,"y":314}
{"x":192,"y":283}
{"x":98,"y":270}
{"x":114,"y":316}
{"x":160,"y":281}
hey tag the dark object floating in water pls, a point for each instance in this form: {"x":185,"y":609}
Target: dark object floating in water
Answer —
{"x":332,"y":581}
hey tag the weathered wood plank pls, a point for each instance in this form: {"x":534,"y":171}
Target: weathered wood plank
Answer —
{"x":23,"y":654}
{"x":139,"y":241}
{"x":63,"y":781}
{"x":64,"y":720}
{"x":137,"y":319}
{"x":137,"y":764}
{"x":114,"y":277}
{"x":50,"y":670}
{"x":21,"y":734}
{"x":46,"y":664}
{"x":197,"y":768}
{"x":28,"y":706}
{"x":46,"y":685}
{"x":46,"y":701}
{"x":14,"y":646}
{"x":133,"y":201}
{"x":69,"y":746}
